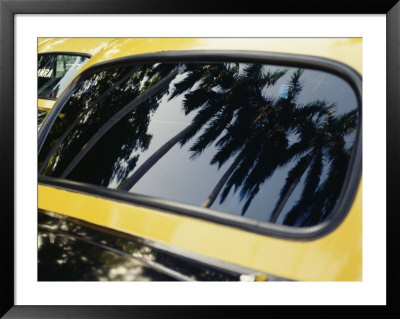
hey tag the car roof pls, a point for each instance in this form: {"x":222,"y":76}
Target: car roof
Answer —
{"x":345,"y":50}
{"x":87,"y":46}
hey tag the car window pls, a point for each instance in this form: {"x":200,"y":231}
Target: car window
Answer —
{"x":55,"y":71}
{"x":41,"y":116}
{"x":266,"y":142}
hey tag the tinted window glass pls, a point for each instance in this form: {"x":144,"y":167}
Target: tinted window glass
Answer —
{"x":55,"y":71}
{"x":41,"y":116}
{"x":265,"y":142}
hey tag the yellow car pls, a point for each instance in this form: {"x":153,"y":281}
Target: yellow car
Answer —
{"x":205,"y":159}
{"x":59,"y":59}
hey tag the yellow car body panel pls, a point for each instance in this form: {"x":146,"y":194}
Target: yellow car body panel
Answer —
{"x":336,"y":256}
{"x":89,"y":46}
{"x":46,"y":105}
{"x":345,"y":50}
{"x":43,"y":40}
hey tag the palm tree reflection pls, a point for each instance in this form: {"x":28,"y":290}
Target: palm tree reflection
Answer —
{"x":248,"y":125}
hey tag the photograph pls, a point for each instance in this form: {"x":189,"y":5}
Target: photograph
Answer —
{"x":199,"y":159}
{"x":195,"y":159}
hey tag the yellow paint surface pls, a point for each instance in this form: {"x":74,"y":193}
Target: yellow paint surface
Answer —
{"x":345,"y":50}
{"x":45,"y":105}
{"x":77,"y":45}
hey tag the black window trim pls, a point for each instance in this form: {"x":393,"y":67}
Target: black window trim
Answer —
{"x":350,"y":183}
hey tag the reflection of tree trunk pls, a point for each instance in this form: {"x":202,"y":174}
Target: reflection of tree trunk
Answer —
{"x":82,"y":115}
{"x":117,"y":117}
{"x":214,"y":193}
{"x":278,"y":209}
{"x":155,"y":157}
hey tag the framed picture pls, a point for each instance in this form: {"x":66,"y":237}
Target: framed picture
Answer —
{"x":23,"y":283}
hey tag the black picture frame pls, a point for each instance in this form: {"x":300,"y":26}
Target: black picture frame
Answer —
{"x":8,"y":10}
